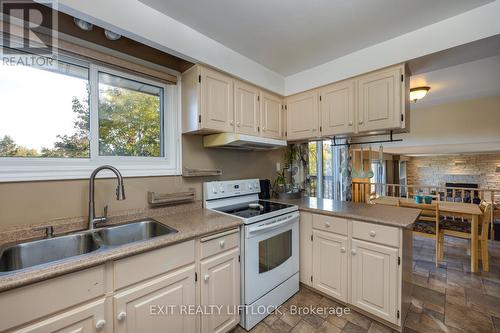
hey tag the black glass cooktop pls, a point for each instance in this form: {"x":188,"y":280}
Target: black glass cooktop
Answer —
{"x":256,"y":208}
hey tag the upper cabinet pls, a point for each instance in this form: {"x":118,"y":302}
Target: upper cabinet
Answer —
{"x":302,"y":115}
{"x":271,"y":118}
{"x":207,"y":99}
{"x":376,"y":101}
{"x":381,"y":99}
{"x":213,"y":102}
{"x":246,"y":108}
{"x":337,"y":108}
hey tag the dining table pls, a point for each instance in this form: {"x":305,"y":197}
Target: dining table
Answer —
{"x":447,"y":208}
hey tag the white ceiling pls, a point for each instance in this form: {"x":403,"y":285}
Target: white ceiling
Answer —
{"x":460,"y":82}
{"x":289,"y":36}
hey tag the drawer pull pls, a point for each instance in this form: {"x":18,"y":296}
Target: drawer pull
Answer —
{"x":342,"y":249}
{"x":121,"y":316}
{"x":353,"y":252}
{"x":206,"y":277}
{"x":222,"y":243}
{"x":373,"y":233}
{"x":100,"y":324}
{"x":327,"y":224}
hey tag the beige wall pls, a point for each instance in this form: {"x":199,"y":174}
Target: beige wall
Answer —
{"x":460,"y":127}
{"x":465,"y":168}
{"x":31,"y":202}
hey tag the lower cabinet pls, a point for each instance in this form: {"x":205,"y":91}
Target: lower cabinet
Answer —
{"x":357,"y":263}
{"x":330,"y":264}
{"x":220,"y":287}
{"x":374,"y":278}
{"x":85,"y":319}
{"x":156,"y":305}
{"x":305,"y":255}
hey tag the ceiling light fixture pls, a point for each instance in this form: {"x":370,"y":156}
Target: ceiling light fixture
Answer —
{"x":112,"y":35}
{"x":84,"y":25}
{"x":418,"y":93}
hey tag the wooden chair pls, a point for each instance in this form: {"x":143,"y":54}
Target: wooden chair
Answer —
{"x":461,"y":229}
{"x":427,"y":225}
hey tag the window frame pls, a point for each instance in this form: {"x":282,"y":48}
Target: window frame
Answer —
{"x":16,"y":169}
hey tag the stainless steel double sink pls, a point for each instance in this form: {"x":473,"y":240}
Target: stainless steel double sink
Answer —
{"x":43,"y":252}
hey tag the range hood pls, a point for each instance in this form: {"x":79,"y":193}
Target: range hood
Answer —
{"x":241,"y":142}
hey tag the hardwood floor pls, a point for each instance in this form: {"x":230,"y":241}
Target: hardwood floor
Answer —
{"x":448,"y":298}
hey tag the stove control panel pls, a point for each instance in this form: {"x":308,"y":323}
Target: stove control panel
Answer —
{"x":230,"y":188}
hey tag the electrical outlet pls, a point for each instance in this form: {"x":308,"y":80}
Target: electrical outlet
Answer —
{"x":278,"y":166}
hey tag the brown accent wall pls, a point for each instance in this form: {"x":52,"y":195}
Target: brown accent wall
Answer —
{"x":468,"y":168}
{"x":32,"y":202}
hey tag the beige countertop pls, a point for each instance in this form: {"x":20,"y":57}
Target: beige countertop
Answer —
{"x":388,"y":215}
{"x":189,"y":224}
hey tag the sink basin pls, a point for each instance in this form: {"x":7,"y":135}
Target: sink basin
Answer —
{"x":39,"y":252}
{"x":132,"y":232}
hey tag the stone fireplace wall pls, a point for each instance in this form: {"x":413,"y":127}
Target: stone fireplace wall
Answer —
{"x":464,"y":168}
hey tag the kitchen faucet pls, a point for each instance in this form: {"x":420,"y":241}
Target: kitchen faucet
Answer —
{"x":120,"y":194}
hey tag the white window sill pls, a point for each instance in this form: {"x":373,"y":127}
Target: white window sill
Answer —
{"x":80,"y":169}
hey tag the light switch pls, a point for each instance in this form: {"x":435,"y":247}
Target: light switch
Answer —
{"x":278,"y":166}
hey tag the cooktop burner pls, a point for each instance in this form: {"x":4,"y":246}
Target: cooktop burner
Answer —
{"x":251,"y":209}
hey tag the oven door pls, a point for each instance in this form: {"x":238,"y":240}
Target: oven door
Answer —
{"x":271,"y":254}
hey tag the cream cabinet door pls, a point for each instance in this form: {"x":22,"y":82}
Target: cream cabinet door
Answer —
{"x":246,"y":108}
{"x":271,"y":116}
{"x":220,"y":286}
{"x":380,"y":99}
{"x":217,"y":109}
{"x":337,"y":108}
{"x":306,"y":248}
{"x":88,"y":318}
{"x":330,"y":264}
{"x":143,"y":308}
{"x":302,"y":115}
{"x":375,"y":279}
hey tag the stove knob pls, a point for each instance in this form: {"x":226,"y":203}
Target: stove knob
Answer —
{"x":250,"y":186}
{"x":222,"y":189}
{"x":214,"y":190}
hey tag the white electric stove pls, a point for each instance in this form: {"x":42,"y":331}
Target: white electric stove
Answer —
{"x":269,"y":245}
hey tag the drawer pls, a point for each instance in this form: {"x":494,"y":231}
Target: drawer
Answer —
{"x":376,"y":233}
{"x":22,"y":305}
{"x":218,"y":243}
{"x":149,"y":264}
{"x":330,"y":223}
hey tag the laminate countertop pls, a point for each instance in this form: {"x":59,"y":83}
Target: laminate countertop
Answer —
{"x":190,"y":224}
{"x":380,"y":214}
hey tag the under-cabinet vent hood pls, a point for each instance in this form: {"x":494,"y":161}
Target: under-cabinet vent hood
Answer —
{"x":241,"y":141}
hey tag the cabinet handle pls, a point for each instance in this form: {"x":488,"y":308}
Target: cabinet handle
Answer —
{"x":353,"y":252}
{"x":222,"y":243}
{"x":327,"y":224}
{"x":231,"y":122}
{"x":350,"y":123}
{"x":263,"y":129}
{"x":373,"y":233}
{"x":121,"y":316}
{"x":360,"y":122}
{"x":100,"y":324}
{"x":238,"y":123}
{"x":206,"y":277}
{"x":342,"y":250}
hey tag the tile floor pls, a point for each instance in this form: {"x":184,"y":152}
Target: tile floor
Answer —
{"x":445,"y":299}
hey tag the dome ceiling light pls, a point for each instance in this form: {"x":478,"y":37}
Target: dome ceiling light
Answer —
{"x":418,"y":93}
{"x":112,"y":35}
{"x":84,"y":25}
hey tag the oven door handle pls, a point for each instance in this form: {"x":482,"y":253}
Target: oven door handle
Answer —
{"x":273,"y":225}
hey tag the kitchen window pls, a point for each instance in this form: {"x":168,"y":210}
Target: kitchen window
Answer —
{"x":63,"y":121}
{"x":324,"y":170}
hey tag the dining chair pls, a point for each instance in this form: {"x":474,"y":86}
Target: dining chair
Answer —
{"x":462,"y":229}
{"x":427,"y":225}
